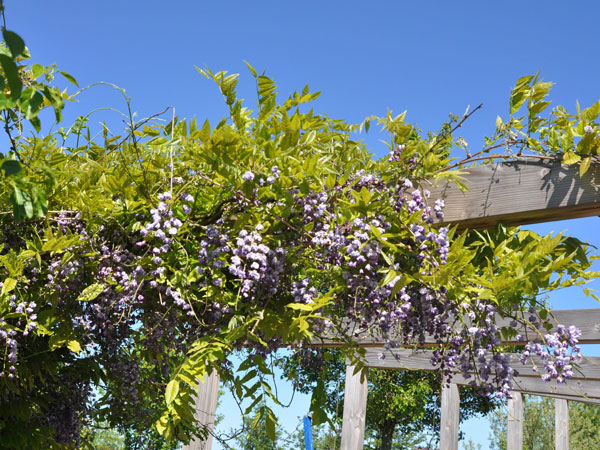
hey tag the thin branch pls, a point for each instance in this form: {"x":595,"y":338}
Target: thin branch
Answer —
{"x":444,"y":135}
{"x":498,"y":156}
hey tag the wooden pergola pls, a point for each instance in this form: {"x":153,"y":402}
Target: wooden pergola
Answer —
{"x":513,"y":193}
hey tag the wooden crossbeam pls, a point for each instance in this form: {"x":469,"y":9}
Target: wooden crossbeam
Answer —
{"x":587,"y":320}
{"x":519,"y":193}
{"x":586,"y":369}
{"x":579,"y":389}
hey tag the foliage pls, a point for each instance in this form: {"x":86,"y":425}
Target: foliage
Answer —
{"x":256,"y":436}
{"x":538,"y":425}
{"x":133,"y":264}
{"x":102,"y":439}
{"x":324,"y":438}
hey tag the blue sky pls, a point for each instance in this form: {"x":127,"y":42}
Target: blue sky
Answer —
{"x":428,"y":57}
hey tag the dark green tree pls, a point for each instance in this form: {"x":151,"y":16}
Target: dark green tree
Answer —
{"x":256,"y":436}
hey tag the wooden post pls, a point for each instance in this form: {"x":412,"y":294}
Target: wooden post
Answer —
{"x":514,"y":439}
{"x":450,"y":417}
{"x":355,"y":411}
{"x":206,"y":407}
{"x":561,"y":424}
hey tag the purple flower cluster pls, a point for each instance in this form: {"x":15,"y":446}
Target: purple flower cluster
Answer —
{"x":161,"y":230}
{"x":558,"y":351}
{"x":396,"y":154}
{"x":10,"y":345}
{"x":303,"y":291}
{"x":314,"y":207}
{"x":367,"y":180}
{"x":211,"y":255}
{"x":276,"y":174}
{"x":256,"y":266}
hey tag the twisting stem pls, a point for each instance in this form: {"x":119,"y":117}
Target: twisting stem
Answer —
{"x":13,"y":143}
{"x":495,"y":156}
{"x":456,"y":127}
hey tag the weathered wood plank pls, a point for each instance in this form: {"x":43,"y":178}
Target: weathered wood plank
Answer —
{"x":561,"y":424}
{"x":514,"y":438}
{"x":519,"y":193}
{"x":206,"y":407}
{"x":583,"y":390}
{"x":450,"y":417}
{"x":355,"y":411}
{"x":588,"y":368}
{"x":587,"y":320}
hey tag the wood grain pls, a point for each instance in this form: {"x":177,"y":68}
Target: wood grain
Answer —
{"x":587,"y":368}
{"x":519,"y":193}
{"x":206,"y":407}
{"x":587,"y":320}
{"x":450,"y":417}
{"x":579,"y":389}
{"x":561,"y":424}
{"x":355,"y":411}
{"x":514,"y":438}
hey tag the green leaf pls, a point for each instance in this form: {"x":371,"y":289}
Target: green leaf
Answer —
{"x":300,"y":306}
{"x":585,"y":165}
{"x":590,"y":114}
{"x":56,"y":100}
{"x":10,"y":167}
{"x":254,"y":74}
{"x":14,"y":43}
{"x":37,"y":70}
{"x":270,"y":423}
{"x":91,"y":292}
{"x":33,"y":108}
{"x":8,"y":285}
{"x":171,"y":391}
{"x":74,"y":346}
{"x":389,"y":277}
{"x":36,"y":123}
{"x":571,"y":158}
{"x":70,"y":78}
{"x":12,"y":75}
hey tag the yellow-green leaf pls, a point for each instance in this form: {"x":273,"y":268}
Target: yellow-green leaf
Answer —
{"x":91,"y":292}
{"x":300,"y":306}
{"x":8,"y":285}
{"x":171,"y":391}
{"x":585,"y":165}
{"x":74,"y":346}
{"x":571,"y":158}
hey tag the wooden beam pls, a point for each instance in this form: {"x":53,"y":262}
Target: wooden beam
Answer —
{"x":586,"y":369}
{"x":519,"y":193}
{"x":206,"y":407}
{"x":582,"y":390}
{"x":561,"y":424}
{"x":355,"y":410}
{"x":514,"y":438}
{"x":587,"y":320}
{"x":450,"y":417}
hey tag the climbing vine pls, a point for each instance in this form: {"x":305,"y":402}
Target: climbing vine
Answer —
{"x":134,"y":264}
